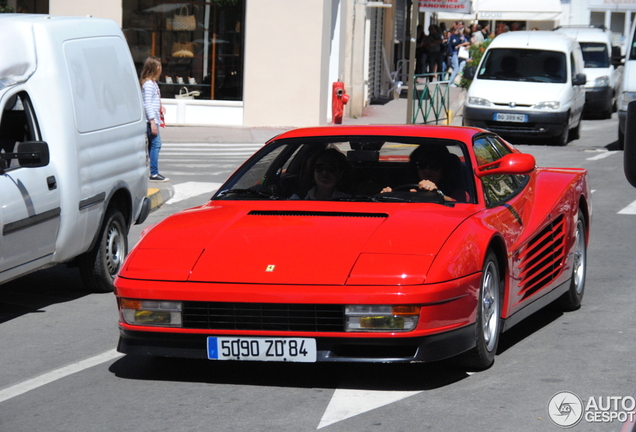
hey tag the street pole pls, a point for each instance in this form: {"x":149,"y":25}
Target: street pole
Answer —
{"x":414,"y":20}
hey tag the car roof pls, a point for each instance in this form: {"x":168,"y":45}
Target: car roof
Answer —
{"x":587,"y":34}
{"x":537,"y":39}
{"x":464,"y":134}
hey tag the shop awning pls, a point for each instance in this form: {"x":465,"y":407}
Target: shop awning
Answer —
{"x":507,"y":10}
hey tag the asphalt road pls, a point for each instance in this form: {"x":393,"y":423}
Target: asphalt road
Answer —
{"x":60,"y":371}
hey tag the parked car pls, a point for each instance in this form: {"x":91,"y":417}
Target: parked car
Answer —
{"x":528,"y":84}
{"x":602,"y":67}
{"x":387,"y":269}
{"x":73,"y":156}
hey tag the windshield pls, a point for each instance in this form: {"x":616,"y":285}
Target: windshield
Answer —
{"x":511,"y":64}
{"x":595,"y":55}
{"x":365,"y":168}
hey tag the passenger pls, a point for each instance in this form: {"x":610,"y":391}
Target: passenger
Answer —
{"x":326,"y":170}
{"x":437,"y":170}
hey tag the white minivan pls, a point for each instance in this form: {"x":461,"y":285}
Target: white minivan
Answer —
{"x":601,"y":66}
{"x":73,"y":153}
{"x":528,"y":84}
{"x":628,"y":93}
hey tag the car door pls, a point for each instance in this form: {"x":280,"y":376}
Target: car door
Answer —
{"x":29,"y":197}
{"x":578,"y":91}
{"x":534,"y":252}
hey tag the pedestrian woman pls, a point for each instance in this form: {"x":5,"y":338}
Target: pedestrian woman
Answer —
{"x":150,"y":73}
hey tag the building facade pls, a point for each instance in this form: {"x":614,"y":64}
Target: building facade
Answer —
{"x":272,"y":63}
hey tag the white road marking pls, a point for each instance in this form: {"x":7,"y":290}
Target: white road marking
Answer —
{"x":54,"y":375}
{"x":603,"y":155}
{"x":187,"y":190}
{"x":630,"y":209}
{"x":347,"y":403}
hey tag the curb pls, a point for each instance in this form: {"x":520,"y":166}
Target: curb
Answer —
{"x":158,"y":196}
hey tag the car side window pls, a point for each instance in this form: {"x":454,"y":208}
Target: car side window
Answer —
{"x":17,"y":124}
{"x":497,"y":188}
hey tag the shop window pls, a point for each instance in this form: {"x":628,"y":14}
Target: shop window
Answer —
{"x":200,"y":45}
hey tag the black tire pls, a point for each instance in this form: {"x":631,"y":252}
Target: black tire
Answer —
{"x":488,"y":327}
{"x":575,"y":133}
{"x":571,"y":300}
{"x":99,"y":266}
{"x":564,"y":137}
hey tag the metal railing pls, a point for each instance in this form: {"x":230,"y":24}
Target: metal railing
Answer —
{"x":431,"y":99}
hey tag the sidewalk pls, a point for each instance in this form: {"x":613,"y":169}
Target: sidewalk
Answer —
{"x":393,"y":112}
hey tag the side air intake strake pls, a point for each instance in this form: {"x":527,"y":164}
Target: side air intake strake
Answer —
{"x":541,"y":260}
{"x":315,"y":213}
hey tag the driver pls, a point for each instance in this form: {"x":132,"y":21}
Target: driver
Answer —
{"x":437,"y":170}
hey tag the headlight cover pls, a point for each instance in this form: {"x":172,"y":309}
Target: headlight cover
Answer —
{"x":602,"y":81}
{"x":151,"y":312}
{"x":548,"y":105}
{"x":472,"y":100}
{"x":381,"y":318}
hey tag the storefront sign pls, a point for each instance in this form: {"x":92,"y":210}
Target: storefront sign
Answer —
{"x":455,"y":6}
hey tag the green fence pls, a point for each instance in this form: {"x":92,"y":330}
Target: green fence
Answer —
{"x":431,"y":101}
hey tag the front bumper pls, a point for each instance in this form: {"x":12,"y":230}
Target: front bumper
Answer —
{"x":539,"y":124}
{"x":598,"y":99}
{"x":330,"y":349}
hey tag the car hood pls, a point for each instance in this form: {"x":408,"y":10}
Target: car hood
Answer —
{"x":519,"y":92}
{"x":292,"y":243}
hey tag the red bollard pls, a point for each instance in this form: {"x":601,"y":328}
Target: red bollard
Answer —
{"x":339,"y":98}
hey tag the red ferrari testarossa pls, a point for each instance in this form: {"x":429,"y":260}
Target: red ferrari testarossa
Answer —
{"x":366,"y":244}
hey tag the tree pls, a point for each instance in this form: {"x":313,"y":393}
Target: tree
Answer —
{"x":4,"y":8}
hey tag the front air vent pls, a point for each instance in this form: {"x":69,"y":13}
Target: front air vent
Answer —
{"x":541,"y":260}
{"x":263,"y":316}
{"x":315,"y":213}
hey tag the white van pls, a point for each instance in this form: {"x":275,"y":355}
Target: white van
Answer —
{"x":601,"y":66}
{"x":528,"y":84}
{"x":628,"y":93}
{"x":73,"y":156}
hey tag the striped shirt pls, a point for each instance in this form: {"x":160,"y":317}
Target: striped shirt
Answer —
{"x":152,"y":101}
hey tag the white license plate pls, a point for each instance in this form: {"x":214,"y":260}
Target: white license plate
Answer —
{"x":518,"y":118}
{"x":262,"y":349}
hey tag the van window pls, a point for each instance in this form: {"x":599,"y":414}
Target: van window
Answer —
{"x":17,"y":124}
{"x":102,"y":77}
{"x":515,"y":64}
{"x":595,"y":55}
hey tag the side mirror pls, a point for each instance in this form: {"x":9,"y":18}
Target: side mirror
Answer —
{"x":510,"y":164}
{"x":629,"y":152}
{"x":579,"y":79}
{"x":31,"y":154}
{"x":469,"y":72}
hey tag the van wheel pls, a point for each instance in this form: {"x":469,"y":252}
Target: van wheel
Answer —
{"x":99,"y":266}
{"x":575,"y":133}
{"x":564,"y":137}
